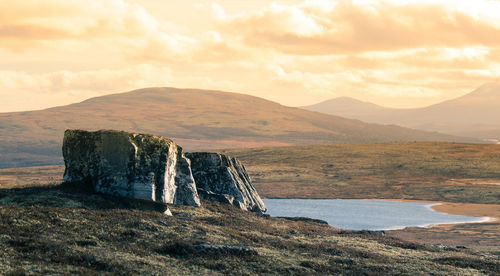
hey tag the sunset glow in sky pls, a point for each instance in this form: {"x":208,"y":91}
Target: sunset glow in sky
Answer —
{"x":393,"y":53}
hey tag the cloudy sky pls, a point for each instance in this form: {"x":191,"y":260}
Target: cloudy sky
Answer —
{"x":393,"y":53}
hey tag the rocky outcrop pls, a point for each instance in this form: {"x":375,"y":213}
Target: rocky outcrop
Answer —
{"x":129,"y":165}
{"x":224,"y":179}
{"x":154,"y":168}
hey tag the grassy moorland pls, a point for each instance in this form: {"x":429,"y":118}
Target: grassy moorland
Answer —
{"x":58,"y":230}
{"x":31,"y":176}
{"x":451,"y":172}
{"x":466,"y":176}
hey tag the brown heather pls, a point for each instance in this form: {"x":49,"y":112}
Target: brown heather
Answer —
{"x":57,"y":230}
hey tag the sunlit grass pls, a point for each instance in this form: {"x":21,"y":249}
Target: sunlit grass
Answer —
{"x":421,"y":170}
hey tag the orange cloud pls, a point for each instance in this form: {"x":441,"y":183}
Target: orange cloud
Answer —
{"x":31,"y":32}
{"x":403,"y":53}
{"x":72,"y":20}
{"x":354,"y":28}
{"x":64,"y":87}
{"x":424,"y":58}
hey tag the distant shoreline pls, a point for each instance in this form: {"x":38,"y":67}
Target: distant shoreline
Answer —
{"x":456,"y":217}
{"x":456,"y":208}
{"x":484,"y":212}
{"x":481,"y":235}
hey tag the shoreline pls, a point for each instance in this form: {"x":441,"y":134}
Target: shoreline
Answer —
{"x":430,"y":225}
{"x":483,"y":212}
{"x":482,"y":235}
{"x":479,"y":210}
{"x":482,"y":219}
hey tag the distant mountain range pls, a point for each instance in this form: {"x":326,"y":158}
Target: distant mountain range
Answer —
{"x":195,"y":119}
{"x":476,"y":114}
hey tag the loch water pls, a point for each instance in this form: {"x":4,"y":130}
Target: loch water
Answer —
{"x":365,"y":214}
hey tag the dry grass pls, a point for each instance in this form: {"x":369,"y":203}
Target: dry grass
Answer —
{"x":31,"y":176}
{"x":55,"y":230}
{"x":451,"y":172}
{"x":443,"y":172}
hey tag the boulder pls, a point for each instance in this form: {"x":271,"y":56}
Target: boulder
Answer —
{"x":224,"y":179}
{"x":132,"y":165}
{"x":211,"y":196}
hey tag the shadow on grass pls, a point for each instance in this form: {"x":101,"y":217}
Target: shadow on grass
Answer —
{"x":72,"y":196}
{"x":468,"y":262}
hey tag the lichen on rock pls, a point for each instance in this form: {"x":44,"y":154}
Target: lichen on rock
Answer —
{"x":225,"y":179}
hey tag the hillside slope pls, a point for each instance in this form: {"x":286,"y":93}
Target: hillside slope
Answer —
{"x":193,"y":118}
{"x":56,"y":231}
{"x":473,"y":115}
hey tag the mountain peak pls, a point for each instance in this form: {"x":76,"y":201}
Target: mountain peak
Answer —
{"x":490,"y":89}
{"x":347,"y":106}
{"x":472,"y":115}
{"x":347,"y":99}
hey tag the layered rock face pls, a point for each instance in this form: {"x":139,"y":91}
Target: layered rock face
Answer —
{"x":224,"y":179}
{"x":154,"y":168}
{"x":130,"y":165}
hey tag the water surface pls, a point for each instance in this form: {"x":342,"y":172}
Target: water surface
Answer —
{"x":365,"y":214}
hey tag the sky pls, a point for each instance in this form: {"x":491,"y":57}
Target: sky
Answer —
{"x":296,"y":52}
